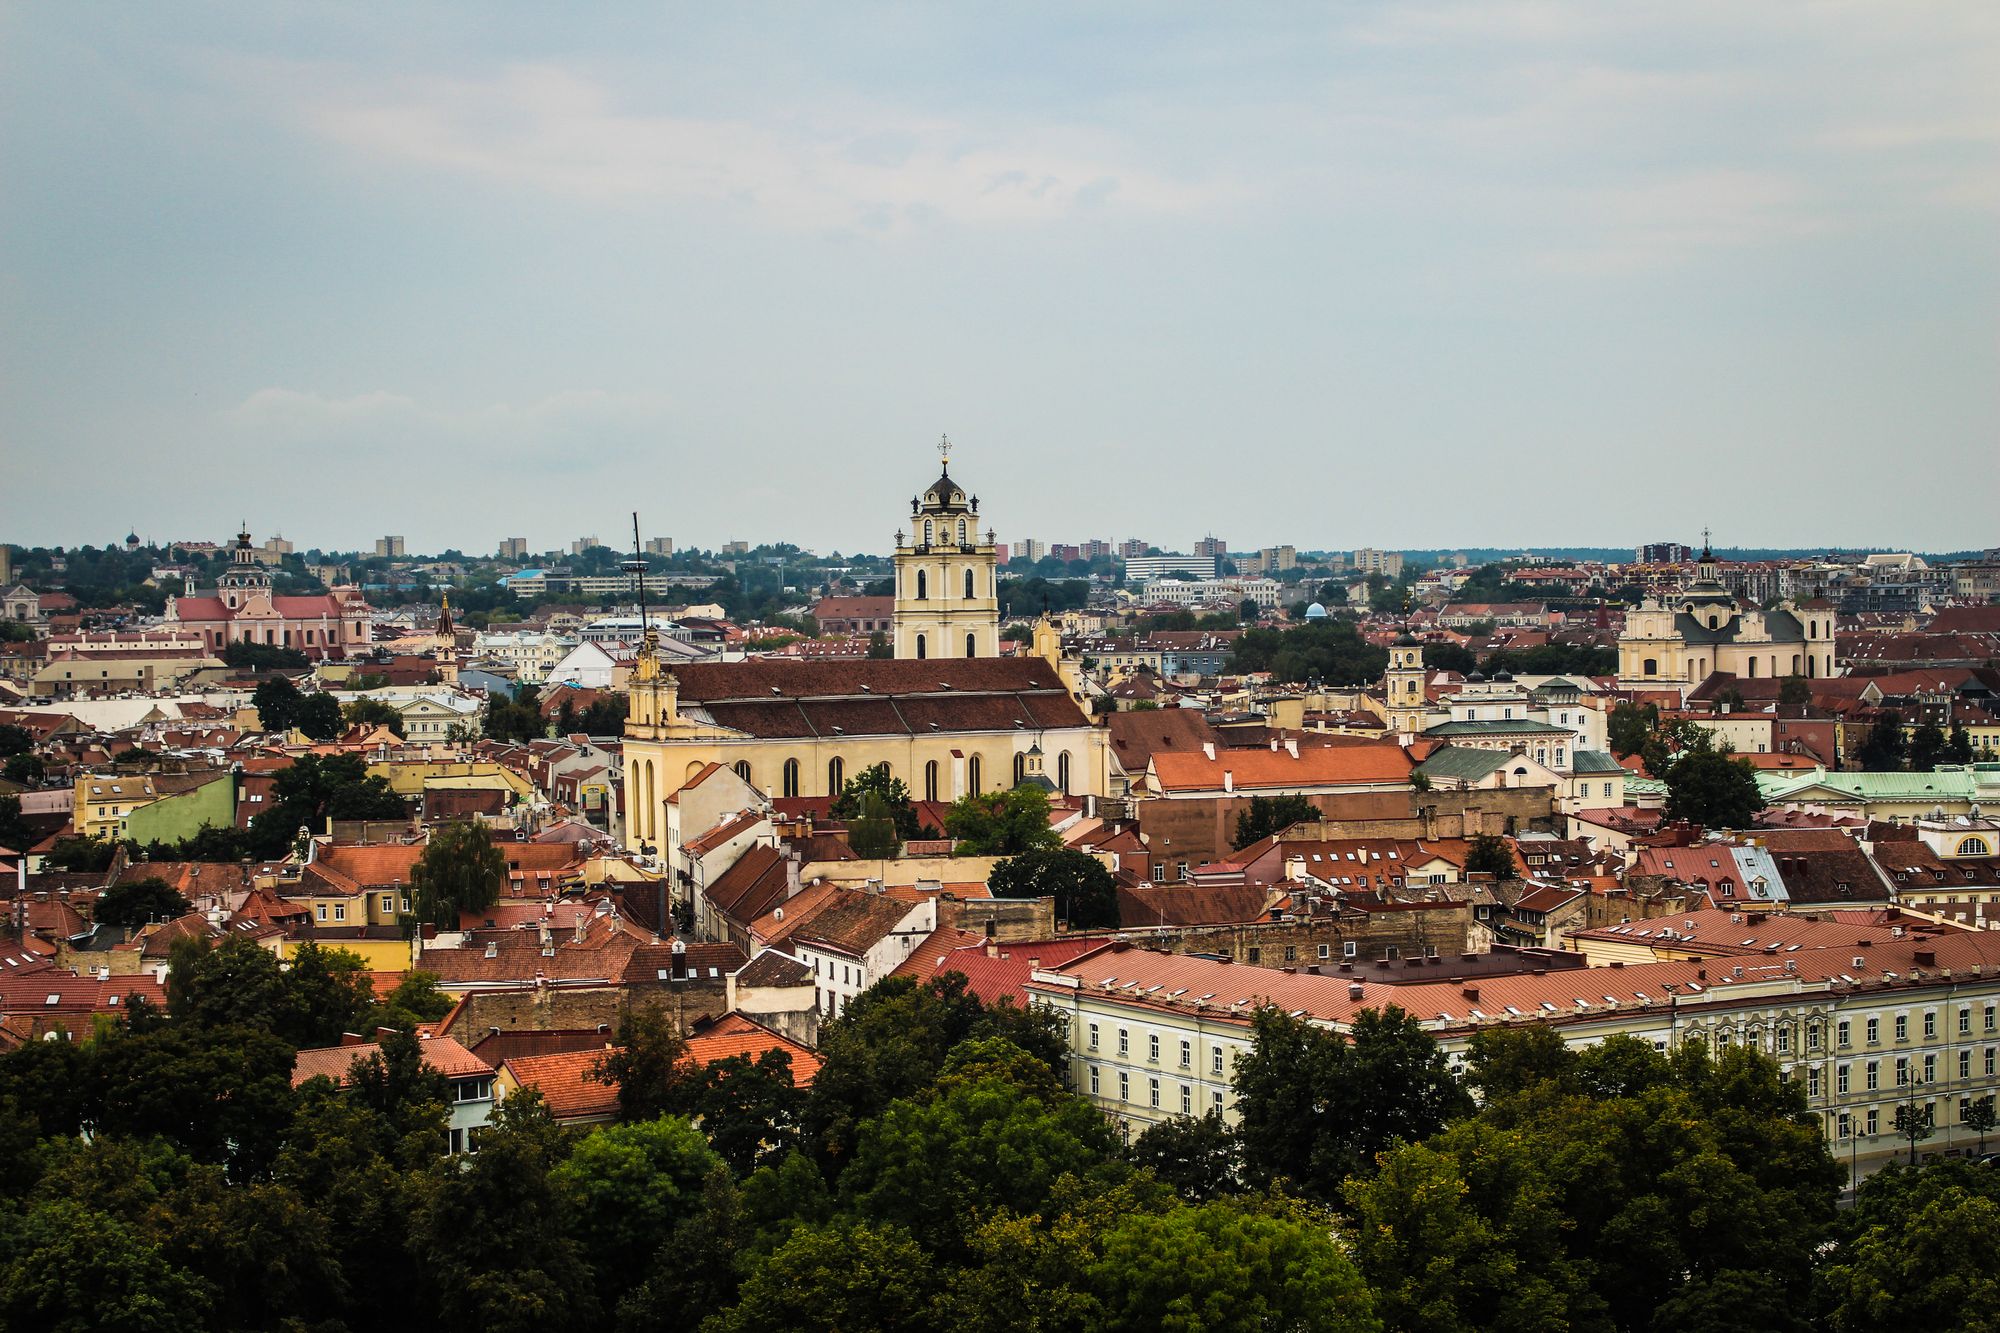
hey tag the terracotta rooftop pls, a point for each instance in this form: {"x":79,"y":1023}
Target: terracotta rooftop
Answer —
{"x":443,"y":1054}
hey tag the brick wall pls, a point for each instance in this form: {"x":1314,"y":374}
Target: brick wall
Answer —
{"x":1201,"y":830}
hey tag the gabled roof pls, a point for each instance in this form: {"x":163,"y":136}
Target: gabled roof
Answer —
{"x":853,"y":922}
{"x":565,"y":1080}
{"x":1349,"y":765}
{"x":444,"y":1054}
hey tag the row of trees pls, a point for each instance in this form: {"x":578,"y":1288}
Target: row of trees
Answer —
{"x":1889,"y":747}
{"x":938,"y":1173}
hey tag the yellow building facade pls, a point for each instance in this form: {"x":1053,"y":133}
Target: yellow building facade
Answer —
{"x":1689,"y":636}
{"x":947,"y":577}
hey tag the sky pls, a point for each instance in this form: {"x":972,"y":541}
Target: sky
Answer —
{"x":1406,"y":275}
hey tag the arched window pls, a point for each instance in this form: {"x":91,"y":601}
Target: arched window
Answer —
{"x":1795,"y":664}
{"x":961,"y":534}
{"x":836,"y":776}
{"x":971,"y":646}
{"x":931,"y":781}
{"x":1062,"y":771}
{"x":1020,"y":768}
{"x":1974,"y":847}
{"x":1753,"y":668}
{"x":742,"y":767}
{"x":927,"y":532}
{"x":972,"y":775}
{"x":790,"y":778}
{"x":1711,"y":619}
{"x":968,"y":583}
{"x":1811,"y":666}
{"x":922,"y":585}
{"x":920,"y":647}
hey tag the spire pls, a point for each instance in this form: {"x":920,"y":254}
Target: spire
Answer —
{"x":944,"y":452}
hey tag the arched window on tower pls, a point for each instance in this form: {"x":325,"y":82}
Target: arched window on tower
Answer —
{"x":923,"y":586}
{"x":1020,"y":768}
{"x":972,"y":775}
{"x":1062,"y":771}
{"x":920,"y":648}
{"x":836,"y":776}
{"x":961,"y":532}
{"x":742,"y":768}
{"x":968,"y":583}
{"x":790,"y":779}
{"x":971,"y":646}
{"x":931,"y":781}
{"x":927,"y":532}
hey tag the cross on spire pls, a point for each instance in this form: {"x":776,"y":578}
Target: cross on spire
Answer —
{"x":944,"y":450}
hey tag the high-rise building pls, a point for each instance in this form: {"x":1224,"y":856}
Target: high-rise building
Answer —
{"x":513,"y":548}
{"x":1030,"y":549}
{"x":1095,"y":549}
{"x":1132,"y":546}
{"x":582,"y":544}
{"x":1145,"y":568}
{"x":390,"y":548}
{"x":659,"y":546}
{"x":1210,"y":546}
{"x":1368,"y":560}
{"x":1664,"y":553}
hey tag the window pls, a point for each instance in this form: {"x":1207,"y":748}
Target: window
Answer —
{"x":1846,"y":1125}
{"x":1990,"y":1015}
{"x":1812,"y":1081}
{"x":1874,"y":1121}
{"x":1160,"y":872}
{"x":1350,"y":949}
{"x":1093,"y":1080}
{"x":1215,"y":1061}
{"x":389,"y":903}
{"x":1784,"y":1037}
{"x":340,"y":911}
{"x":1187,"y":1054}
{"x":1965,"y":1022}
{"x":968,"y":589}
{"x":971,"y":646}
{"x":1215,"y":1102}
{"x":1062,"y":765}
{"x":1124,"y":1042}
{"x":1840,"y":1080}
{"x":742,"y":769}
{"x":1020,"y":768}
{"x":921,"y":654}
{"x":1902,"y":1027}
{"x":319,"y":911}
{"x":1989,"y":1061}
{"x":1124,"y":1086}
{"x":1902,"y":1070}
{"x":1873,"y":1075}
{"x":931,"y":780}
{"x":1965,"y":1064}
{"x":1093,"y":1036}
{"x":1812,"y":1037}
{"x":1930,"y":1069}
{"x":972,"y":774}
{"x":1187,"y":1099}
{"x":790,"y":778}
{"x":1841,"y":1034}
{"x":836,"y":776}
{"x":1153,"y":1048}
{"x":1874,"y":1032}
{"x":1930,"y":1024}
{"x":1153,"y":1093}
{"x":1326,"y":951}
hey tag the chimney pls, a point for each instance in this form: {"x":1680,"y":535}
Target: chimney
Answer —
{"x":1471,"y":992}
{"x":1354,"y":990}
{"x":1926,"y":958}
{"x":1208,"y":750}
{"x":680,"y":964}
{"x":1292,"y":747}
{"x":1228,"y":781}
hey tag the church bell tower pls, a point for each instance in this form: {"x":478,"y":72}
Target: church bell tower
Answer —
{"x":947,"y":590}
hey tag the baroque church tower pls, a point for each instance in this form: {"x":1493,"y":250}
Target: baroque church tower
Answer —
{"x":947,"y":590}
{"x":1403,"y":685}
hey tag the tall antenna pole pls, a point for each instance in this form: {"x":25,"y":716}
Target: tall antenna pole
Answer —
{"x":637,"y":565}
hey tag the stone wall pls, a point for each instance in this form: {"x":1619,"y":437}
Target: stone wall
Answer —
{"x":1201,"y":830}
{"x":555,"y":1008}
{"x":1409,"y":932}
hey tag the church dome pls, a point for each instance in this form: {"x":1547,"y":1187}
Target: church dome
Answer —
{"x":1316,"y":612}
{"x":945,"y":496}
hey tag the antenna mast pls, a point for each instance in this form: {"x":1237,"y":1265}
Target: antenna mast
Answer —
{"x":637,"y":566}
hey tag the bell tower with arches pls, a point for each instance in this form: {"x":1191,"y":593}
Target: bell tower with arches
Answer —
{"x":947,"y":571}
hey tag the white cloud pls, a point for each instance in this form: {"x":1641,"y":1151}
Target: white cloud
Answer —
{"x":556,"y":130}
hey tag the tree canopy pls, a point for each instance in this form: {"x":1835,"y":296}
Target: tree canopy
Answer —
{"x":460,"y":871}
{"x":1086,"y":897}
{"x":1003,"y":823}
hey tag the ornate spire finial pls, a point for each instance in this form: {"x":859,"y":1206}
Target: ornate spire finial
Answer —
{"x":944,"y":451}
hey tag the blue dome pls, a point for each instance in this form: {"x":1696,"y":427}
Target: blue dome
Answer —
{"x":1315,"y":612}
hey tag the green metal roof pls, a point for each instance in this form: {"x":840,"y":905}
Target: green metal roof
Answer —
{"x":1594,"y":761}
{"x":1456,"y":763}
{"x":1495,"y":727}
{"x":1873,"y":786}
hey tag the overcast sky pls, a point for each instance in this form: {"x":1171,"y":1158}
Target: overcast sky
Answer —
{"x":1402,"y":275}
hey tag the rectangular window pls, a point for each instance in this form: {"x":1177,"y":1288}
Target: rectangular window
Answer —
{"x":1841,"y":1034}
{"x":1350,"y":949}
{"x":1989,"y":1061}
{"x":319,"y":911}
{"x":1784,"y":1041}
{"x":1215,"y":1102}
{"x":1902,"y":1027}
{"x":1124,"y":1086}
{"x":1153,"y":1048}
{"x":1291,"y":953}
{"x":1930,"y":1069}
{"x":340,"y":911}
{"x":1812,"y":1081}
{"x":1873,"y":1075}
{"x":1326,"y":951}
{"x":1187,"y":1099}
{"x":1965,"y":1064}
{"x":1215,"y":1060}
{"x":1160,"y":873}
{"x":1992,"y":1012}
{"x":389,"y":903}
{"x":1902,"y":1070}
{"x":1840,"y":1080}
{"x":1874,"y":1032}
{"x":1846,"y":1124}
{"x":1930,"y":1024}
{"x":1153,"y":1093}
{"x":1812,"y":1037}
{"x":1093,"y":1036}
{"x":1187,"y":1055}
{"x":1965,"y":1022}
{"x":1874,"y":1121}
{"x":1093,"y":1080}
{"x":1124,"y":1042}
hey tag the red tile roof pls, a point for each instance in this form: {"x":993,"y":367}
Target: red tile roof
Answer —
{"x":444,"y":1054}
{"x":1262,"y":769}
{"x":565,"y":1080}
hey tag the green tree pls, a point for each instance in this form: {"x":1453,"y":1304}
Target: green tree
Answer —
{"x":623,"y":1188}
{"x":15,"y":835}
{"x":1005,"y":823}
{"x":460,"y":871}
{"x":1794,"y":696}
{"x":1979,"y":1118}
{"x":137,"y":902}
{"x":1883,"y":749}
{"x":879,"y":647}
{"x":1913,"y":1124}
{"x":1233,"y":1266}
{"x":1086,"y":895}
{"x":1490,"y":854}
{"x":372,"y":713}
{"x":315,"y":788}
{"x":749,"y":1109}
{"x":88,"y":856}
{"x":248,"y":656}
{"x":15,"y":740}
{"x":1196,"y":1157}
{"x":277,"y":703}
{"x":1504,"y":1061}
{"x":68,"y":1268}
{"x":1714,"y":789}
{"x":1959,"y":751}
{"x":850,"y":1276}
{"x":1917,"y":1252}
{"x":318,"y":716}
{"x":1272,"y":814}
{"x":30,"y":769}
{"x":894,"y":797}
{"x":648,"y":1064}
{"x":871,"y":829}
{"x":1928,"y":747}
